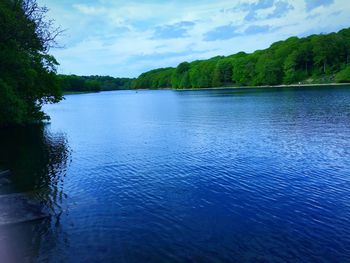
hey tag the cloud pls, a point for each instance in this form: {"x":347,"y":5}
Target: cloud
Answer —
{"x":221,"y":33}
{"x":312,"y":4}
{"x":313,"y":16}
{"x":251,"y":16}
{"x":253,"y":8}
{"x":261,"y":4}
{"x":252,"y":30}
{"x":90,"y":10}
{"x":177,"y":30}
{"x":281,"y":9}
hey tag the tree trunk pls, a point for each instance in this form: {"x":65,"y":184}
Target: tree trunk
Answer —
{"x":306,"y":69}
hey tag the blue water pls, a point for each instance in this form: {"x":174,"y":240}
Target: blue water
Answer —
{"x":189,"y":176}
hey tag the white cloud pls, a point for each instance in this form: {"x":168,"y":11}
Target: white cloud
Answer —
{"x":90,"y":10}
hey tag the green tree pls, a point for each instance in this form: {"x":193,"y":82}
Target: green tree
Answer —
{"x":244,"y":70}
{"x":223,"y":73}
{"x":269,"y":71}
{"x":296,"y":65}
{"x":180,"y":78}
{"x":345,"y":34}
{"x":27,"y":72}
{"x":328,"y":50}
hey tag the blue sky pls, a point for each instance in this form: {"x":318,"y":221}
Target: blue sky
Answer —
{"x":126,"y":38}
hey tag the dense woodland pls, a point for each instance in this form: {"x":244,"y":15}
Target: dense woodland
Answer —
{"x":314,"y":59}
{"x":27,"y":72}
{"x":73,"y":83}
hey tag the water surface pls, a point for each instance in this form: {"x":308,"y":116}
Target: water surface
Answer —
{"x":186,"y":176}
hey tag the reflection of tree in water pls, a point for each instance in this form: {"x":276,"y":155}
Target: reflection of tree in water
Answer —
{"x":36,"y":157}
{"x":38,"y":162}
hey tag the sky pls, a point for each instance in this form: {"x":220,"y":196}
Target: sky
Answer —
{"x":126,"y":38}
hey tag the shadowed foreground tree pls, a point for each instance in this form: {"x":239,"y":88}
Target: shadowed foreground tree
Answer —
{"x":27,"y":71}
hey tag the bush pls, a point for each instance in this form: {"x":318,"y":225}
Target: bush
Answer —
{"x":343,"y":76}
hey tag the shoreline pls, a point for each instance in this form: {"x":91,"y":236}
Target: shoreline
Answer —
{"x":271,"y":86}
{"x":78,"y":92}
{"x":221,"y":88}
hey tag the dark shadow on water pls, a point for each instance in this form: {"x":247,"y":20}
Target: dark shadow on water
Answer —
{"x":38,"y":161}
{"x":36,"y":158}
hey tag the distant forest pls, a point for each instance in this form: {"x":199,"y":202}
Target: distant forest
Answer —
{"x":315,"y":59}
{"x":73,"y":83}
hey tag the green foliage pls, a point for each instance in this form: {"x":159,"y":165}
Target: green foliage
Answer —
{"x":73,"y":83}
{"x":27,"y":73}
{"x":297,"y":63}
{"x":180,"y":78}
{"x":222,"y":73}
{"x":11,"y":107}
{"x":317,"y":57}
{"x":343,"y":76}
{"x":268,"y":71}
{"x":244,"y":70}
{"x":107,"y":83}
{"x":158,"y":78}
{"x":328,"y":52}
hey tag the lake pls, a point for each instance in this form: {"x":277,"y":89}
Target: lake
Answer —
{"x":231,"y":175}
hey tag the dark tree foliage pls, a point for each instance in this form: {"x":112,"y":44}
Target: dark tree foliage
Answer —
{"x":73,"y":83}
{"x":107,"y":83}
{"x":27,"y":72}
{"x":314,"y":59}
{"x":223,"y":73}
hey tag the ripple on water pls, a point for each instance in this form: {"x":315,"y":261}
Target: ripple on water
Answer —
{"x":205,"y":176}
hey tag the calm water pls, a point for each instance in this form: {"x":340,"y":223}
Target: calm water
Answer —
{"x":186,"y":176}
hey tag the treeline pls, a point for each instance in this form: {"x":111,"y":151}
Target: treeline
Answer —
{"x":314,"y":59}
{"x":74,"y":83}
